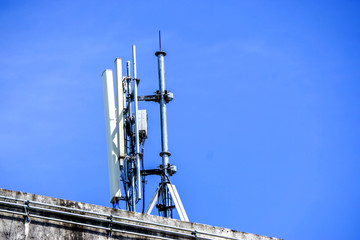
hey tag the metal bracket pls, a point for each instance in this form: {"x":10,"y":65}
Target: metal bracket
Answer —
{"x":195,"y":234}
{"x":168,"y":96}
{"x":162,"y":207}
{"x":149,"y":98}
{"x":171,"y":169}
{"x":137,"y":80}
{"x":26,"y":208}
{"x":109,"y":232}
{"x":151,"y":172}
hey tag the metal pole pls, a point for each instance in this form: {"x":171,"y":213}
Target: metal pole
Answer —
{"x":126,"y":164}
{"x":164,"y":134}
{"x":137,"y":143}
{"x":131,"y":162}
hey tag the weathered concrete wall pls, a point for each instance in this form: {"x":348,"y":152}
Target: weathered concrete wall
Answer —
{"x":126,"y":224}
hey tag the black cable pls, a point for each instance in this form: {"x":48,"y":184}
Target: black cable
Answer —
{"x":143,"y":177}
{"x":124,"y":183}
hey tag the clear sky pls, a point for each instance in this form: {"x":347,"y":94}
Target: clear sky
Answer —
{"x":264,"y":127}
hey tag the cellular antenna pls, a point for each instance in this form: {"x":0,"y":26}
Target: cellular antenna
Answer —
{"x":126,"y":132}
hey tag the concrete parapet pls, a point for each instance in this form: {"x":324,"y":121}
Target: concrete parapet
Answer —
{"x":30,"y":216}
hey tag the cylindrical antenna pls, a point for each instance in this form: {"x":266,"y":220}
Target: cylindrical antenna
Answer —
{"x":137,"y":142}
{"x":134,"y":60}
{"x":164,"y":134}
{"x":128,"y":84}
{"x":128,"y":68}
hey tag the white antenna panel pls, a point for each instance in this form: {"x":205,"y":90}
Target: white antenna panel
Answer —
{"x":120,"y":106}
{"x":111,"y":136}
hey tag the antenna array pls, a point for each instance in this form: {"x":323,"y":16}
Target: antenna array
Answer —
{"x":126,"y":132}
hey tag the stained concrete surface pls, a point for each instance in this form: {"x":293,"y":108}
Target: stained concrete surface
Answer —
{"x":14,"y":226}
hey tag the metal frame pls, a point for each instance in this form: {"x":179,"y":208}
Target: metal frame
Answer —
{"x":128,"y":144}
{"x":137,"y":140}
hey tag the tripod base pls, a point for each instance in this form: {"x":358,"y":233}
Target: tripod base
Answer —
{"x":175,"y":197}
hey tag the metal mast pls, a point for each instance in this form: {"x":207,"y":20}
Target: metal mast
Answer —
{"x":165,"y":154}
{"x":166,"y":193}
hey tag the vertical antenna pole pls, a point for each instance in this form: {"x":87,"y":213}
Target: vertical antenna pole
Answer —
{"x":163,"y":117}
{"x":137,"y":143}
{"x":164,"y":134}
{"x":126,"y":165}
{"x":131,"y":165}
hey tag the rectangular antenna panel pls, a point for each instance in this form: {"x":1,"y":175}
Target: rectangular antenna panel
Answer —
{"x":120,"y":109}
{"x":111,"y":136}
{"x":142,"y":122}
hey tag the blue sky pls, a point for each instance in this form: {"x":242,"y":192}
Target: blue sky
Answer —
{"x":264,"y":127}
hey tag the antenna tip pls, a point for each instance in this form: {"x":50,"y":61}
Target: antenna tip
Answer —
{"x":159,"y":40}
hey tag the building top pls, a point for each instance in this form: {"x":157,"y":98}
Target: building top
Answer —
{"x":35,"y":214}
